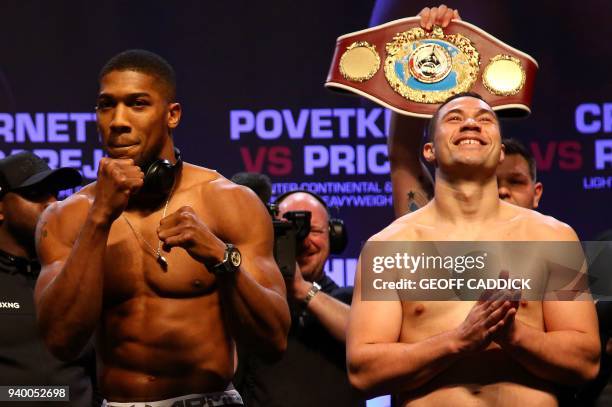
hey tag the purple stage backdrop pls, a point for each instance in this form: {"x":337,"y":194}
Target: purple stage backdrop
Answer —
{"x":251,"y":85}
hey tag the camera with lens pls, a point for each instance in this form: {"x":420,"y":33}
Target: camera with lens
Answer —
{"x":289,"y":233}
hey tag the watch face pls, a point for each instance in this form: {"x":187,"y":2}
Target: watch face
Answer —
{"x":235,"y":258}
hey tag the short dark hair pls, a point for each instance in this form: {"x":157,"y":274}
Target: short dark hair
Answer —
{"x":432,"y":122}
{"x":143,"y":61}
{"x":513,"y":146}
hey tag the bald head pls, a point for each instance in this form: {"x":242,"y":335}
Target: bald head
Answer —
{"x":302,"y":201}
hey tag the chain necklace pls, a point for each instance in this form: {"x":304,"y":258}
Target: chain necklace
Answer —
{"x":163,"y":262}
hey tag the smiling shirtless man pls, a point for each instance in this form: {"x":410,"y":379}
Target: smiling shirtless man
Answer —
{"x":168,"y":270}
{"x":466,"y":353}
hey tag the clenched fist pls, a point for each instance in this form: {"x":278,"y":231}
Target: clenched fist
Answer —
{"x":185,"y":229}
{"x":117,"y":180}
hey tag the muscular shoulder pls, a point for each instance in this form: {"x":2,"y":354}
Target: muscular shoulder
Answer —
{"x":549,"y":228}
{"x":233,"y":195}
{"x":194,"y":176}
{"x":235,"y":205}
{"x":64,"y":219}
{"x":542,"y":227}
{"x":219,"y":192}
{"x":70,"y":209}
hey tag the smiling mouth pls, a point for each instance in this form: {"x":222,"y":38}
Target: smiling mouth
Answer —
{"x":306,"y":256}
{"x":469,"y":141}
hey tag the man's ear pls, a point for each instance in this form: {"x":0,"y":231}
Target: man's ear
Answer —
{"x":1,"y":210}
{"x":429,"y":153}
{"x":502,"y":153}
{"x":538,"y":189}
{"x":174,"y":115}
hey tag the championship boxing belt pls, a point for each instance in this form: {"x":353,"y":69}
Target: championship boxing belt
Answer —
{"x":403,"y":67}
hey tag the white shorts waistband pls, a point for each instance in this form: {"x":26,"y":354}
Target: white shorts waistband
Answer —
{"x":220,"y":399}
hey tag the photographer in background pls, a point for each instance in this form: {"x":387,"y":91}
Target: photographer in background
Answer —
{"x":310,"y":288}
{"x":312,"y":372}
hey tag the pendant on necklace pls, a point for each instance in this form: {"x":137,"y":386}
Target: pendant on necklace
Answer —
{"x":162,"y":262}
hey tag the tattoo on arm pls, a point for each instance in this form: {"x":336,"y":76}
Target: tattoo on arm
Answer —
{"x":41,"y":229}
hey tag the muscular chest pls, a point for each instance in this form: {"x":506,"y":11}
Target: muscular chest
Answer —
{"x":479,"y":257}
{"x":132,"y":266}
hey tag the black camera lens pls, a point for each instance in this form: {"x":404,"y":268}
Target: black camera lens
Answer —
{"x":301,"y":221}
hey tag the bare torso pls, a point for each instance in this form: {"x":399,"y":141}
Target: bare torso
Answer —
{"x":489,"y":377}
{"x":486,"y":378}
{"x":162,"y":332}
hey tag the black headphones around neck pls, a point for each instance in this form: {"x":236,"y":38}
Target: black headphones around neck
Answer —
{"x":160,"y":174}
{"x":338,"y":235}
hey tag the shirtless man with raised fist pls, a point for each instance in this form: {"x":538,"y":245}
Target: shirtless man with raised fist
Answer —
{"x":166,"y":263}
